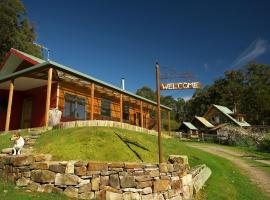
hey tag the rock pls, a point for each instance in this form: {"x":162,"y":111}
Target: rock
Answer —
{"x":33,"y":186}
{"x":95,"y":183}
{"x":70,"y":167}
{"x":161,"y":185}
{"x":80,"y":171}
{"x":170,"y":167}
{"x":133,"y":165}
{"x":144,"y":184}
{"x":80,"y":164}
{"x":66,"y":179}
{"x":21,"y":160}
{"x":7,"y":151}
{"x":96,"y":166}
{"x":42,"y":176}
{"x":111,"y":189}
{"x":114,"y":181}
{"x":85,"y":188}
{"x":22,"y":182}
{"x":148,"y":197}
{"x":163,"y":168}
{"x":178,"y":159}
{"x":131,"y":190}
{"x":56,"y":190}
{"x":71,"y":192}
{"x":127,"y":181}
{"x":40,"y":165}
{"x":176,"y":184}
{"x":186,"y":180}
{"x":47,"y":188}
{"x":153,"y":173}
{"x":104,"y":180}
{"x":26,"y":174}
{"x":187,"y":192}
{"x":147,"y":190}
{"x":43,"y":157}
{"x":143,"y":178}
{"x":87,"y":195}
{"x":57,"y":168}
{"x":158,"y":196}
{"x":131,"y":196}
{"x":113,"y":196}
{"x":116,"y":165}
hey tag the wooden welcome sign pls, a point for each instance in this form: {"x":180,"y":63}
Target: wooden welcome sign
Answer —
{"x":180,"y":85}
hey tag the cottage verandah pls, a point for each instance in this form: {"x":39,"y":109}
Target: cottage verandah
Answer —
{"x":31,"y":87}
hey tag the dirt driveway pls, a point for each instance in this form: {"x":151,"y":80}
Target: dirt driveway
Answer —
{"x":256,"y":175}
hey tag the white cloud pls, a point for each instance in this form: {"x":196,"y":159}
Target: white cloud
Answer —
{"x":255,"y":49}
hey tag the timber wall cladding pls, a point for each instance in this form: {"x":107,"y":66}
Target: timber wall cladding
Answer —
{"x":85,"y":92}
{"x":100,"y":180}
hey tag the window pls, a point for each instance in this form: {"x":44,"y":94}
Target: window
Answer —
{"x":106,"y":107}
{"x":126,"y":112}
{"x":3,"y":104}
{"x":74,"y":107}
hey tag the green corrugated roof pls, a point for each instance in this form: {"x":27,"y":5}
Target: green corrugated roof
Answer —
{"x":226,"y":111}
{"x":190,"y":126}
{"x":58,"y":66}
{"x":205,"y":122}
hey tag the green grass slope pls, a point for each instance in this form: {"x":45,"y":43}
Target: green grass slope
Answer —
{"x":104,"y":144}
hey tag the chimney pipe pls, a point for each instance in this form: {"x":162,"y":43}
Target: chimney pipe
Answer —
{"x":123,"y":83}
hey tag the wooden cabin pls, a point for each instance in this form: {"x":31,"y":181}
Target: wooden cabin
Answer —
{"x":31,"y":88}
{"x":217,"y":115}
{"x":189,"y":129}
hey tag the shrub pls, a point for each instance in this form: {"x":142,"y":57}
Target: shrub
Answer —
{"x":174,"y":125}
{"x":264,"y":145}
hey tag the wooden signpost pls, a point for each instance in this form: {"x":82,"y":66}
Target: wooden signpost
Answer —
{"x":168,"y":86}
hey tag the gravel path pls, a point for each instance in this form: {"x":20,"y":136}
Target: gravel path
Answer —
{"x":256,"y":175}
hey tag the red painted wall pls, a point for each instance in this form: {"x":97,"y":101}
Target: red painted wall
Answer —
{"x":38,"y":111}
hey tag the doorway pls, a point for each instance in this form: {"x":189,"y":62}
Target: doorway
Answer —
{"x":27,"y":113}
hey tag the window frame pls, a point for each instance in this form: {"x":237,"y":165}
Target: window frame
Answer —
{"x":109,"y":109}
{"x":76,"y":101}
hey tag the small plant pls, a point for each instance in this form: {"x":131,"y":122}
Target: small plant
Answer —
{"x":264,"y":145}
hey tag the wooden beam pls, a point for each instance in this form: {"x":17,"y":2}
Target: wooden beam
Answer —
{"x":48,"y":99}
{"x":169,"y":122}
{"x":121,"y":108}
{"x":141,"y":114}
{"x":10,"y":97}
{"x":92,"y":100}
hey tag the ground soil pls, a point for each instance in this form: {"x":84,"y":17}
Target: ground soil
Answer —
{"x":258,"y":176}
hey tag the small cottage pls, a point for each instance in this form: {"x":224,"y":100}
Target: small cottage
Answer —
{"x":217,"y":115}
{"x":189,"y":129}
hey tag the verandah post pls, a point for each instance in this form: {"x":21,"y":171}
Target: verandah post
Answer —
{"x":92,"y":100}
{"x":141,"y":114}
{"x":48,"y":99}
{"x":10,"y":98}
{"x":121,"y":108}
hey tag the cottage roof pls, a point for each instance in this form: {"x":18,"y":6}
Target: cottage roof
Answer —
{"x":204,"y":122}
{"x":190,"y":125}
{"x":227,"y":112}
{"x":40,"y":64}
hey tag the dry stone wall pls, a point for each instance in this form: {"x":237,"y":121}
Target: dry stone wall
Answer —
{"x":100,"y":180}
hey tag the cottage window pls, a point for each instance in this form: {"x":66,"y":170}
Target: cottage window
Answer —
{"x":74,"y":107}
{"x":126,"y":112}
{"x":106,"y":107}
{"x":3,"y":104}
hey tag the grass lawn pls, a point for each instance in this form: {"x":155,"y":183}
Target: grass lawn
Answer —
{"x":100,"y":144}
{"x":9,"y":192}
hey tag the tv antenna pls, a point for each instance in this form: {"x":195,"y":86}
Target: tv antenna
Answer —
{"x":43,"y":48}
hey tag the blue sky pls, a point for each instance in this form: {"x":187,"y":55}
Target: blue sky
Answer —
{"x":114,"y":39}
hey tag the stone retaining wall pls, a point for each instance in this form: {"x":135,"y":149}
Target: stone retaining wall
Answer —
{"x":100,"y":180}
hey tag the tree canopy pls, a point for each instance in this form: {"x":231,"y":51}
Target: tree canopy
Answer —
{"x":16,"y":30}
